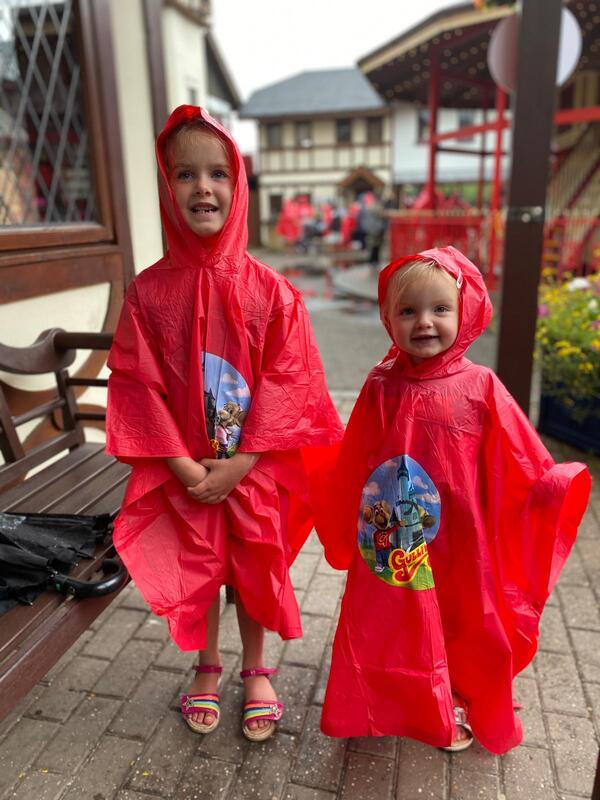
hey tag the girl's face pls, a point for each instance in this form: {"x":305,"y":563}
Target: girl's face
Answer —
{"x":201,"y":177}
{"x":424,"y":321}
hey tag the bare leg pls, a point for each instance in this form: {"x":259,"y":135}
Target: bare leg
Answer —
{"x":207,"y":683}
{"x":257,"y":687}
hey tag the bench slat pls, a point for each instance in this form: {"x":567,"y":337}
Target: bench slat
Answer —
{"x":23,"y":494}
{"x":37,"y":455}
{"x":77,"y":500}
{"x":110,"y":503}
{"x":42,"y":410}
{"x":63,"y":483}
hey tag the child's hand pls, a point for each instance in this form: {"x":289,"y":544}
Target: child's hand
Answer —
{"x":223,"y":476}
{"x":189,"y":472}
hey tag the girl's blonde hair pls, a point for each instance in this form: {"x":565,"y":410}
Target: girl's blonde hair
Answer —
{"x":189,"y":125}
{"x":406,"y":276}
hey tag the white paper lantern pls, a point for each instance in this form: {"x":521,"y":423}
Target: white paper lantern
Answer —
{"x":502,"y":52}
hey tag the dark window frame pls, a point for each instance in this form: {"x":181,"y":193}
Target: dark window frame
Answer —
{"x":24,"y":237}
{"x":378,"y":137}
{"x":270,"y":129}
{"x":340,"y":123}
{"x":465,"y":119}
{"x":275,"y":207}
{"x":303,"y":141}
{"x":422,"y":120}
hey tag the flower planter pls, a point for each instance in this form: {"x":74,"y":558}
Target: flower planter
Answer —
{"x":556,"y":421}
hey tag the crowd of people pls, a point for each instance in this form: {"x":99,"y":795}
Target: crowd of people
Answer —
{"x":361,"y":225}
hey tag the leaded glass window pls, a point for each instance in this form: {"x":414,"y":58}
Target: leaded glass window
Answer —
{"x":45,"y":171}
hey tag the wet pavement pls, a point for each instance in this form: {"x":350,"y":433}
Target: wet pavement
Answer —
{"x":103,"y":723}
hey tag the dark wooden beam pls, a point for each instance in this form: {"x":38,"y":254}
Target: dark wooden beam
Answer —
{"x":533,"y":111}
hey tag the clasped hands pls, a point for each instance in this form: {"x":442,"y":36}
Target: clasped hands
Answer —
{"x":211,"y":480}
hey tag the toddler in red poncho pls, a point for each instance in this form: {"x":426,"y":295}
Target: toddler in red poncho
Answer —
{"x":440,"y":461}
{"x":218,"y":401}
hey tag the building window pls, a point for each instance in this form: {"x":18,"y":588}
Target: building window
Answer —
{"x":466,"y":118}
{"x":192,"y":95}
{"x":343,"y":131}
{"x":374,"y":130}
{"x":45,"y":165}
{"x":273,"y":135}
{"x":422,"y":125}
{"x":275,"y":206}
{"x":303,"y":134}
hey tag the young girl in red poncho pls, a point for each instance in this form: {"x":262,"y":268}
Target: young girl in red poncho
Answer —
{"x":218,"y":401}
{"x":477,"y":523}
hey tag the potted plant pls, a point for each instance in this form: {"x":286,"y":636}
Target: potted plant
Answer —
{"x":568,"y":350}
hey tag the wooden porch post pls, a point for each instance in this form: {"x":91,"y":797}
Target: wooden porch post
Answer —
{"x":496,"y":198}
{"x":534,"y":102}
{"x":433,"y":100}
{"x":485,"y":102}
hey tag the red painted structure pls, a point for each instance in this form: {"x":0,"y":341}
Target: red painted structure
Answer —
{"x":479,"y":233}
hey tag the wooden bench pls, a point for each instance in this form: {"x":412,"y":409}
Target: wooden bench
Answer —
{"x":74,"y":477}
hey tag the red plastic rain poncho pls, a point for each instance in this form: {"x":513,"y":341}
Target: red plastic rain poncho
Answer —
{"x":454,"y":526}
{"x":214,"y":352}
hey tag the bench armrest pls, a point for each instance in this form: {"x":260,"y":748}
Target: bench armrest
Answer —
{"x":52,"y":351}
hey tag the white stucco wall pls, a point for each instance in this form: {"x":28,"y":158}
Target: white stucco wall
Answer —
{"x":185,"y":62}
{"x":410,"y":156}
{"x":137,"y":132}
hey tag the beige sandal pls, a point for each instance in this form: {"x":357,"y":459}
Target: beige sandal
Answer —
{"x":460,"y":719}
{"x":199,"y":703}
{"x":260,"y":709}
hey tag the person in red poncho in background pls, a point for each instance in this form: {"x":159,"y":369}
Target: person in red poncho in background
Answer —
{"x":217,"y":399}
{"x":480,"y":520}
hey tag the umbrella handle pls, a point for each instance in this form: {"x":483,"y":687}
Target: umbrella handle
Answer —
{"x":116,"y":574}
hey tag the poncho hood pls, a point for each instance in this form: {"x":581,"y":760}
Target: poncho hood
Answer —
{"x":475,"y":312}
{"x":186,"y":248}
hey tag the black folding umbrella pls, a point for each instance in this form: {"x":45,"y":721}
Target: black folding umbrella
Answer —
{"x":39,"y":550}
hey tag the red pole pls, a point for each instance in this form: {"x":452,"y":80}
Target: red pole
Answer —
{"x":496,"y":188}
{"x":485,"y":97}
{"x":432,"y":104}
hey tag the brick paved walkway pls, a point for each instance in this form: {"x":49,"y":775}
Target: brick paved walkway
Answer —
{"x":104,"y":723}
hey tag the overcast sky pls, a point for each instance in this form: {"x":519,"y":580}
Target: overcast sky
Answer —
{"x":264,"y":41}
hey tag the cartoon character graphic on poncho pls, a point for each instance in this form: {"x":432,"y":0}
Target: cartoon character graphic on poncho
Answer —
{"x":400,"y":513}
{"x":226,"y":403}
{"x":229,"y":417}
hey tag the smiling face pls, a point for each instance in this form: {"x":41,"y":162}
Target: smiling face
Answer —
{"x":424,"y":318}
{"x":202,"y":180}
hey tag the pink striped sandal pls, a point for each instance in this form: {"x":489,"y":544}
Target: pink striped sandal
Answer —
{"x":201,"y":703}
{"x":260,"y":709}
